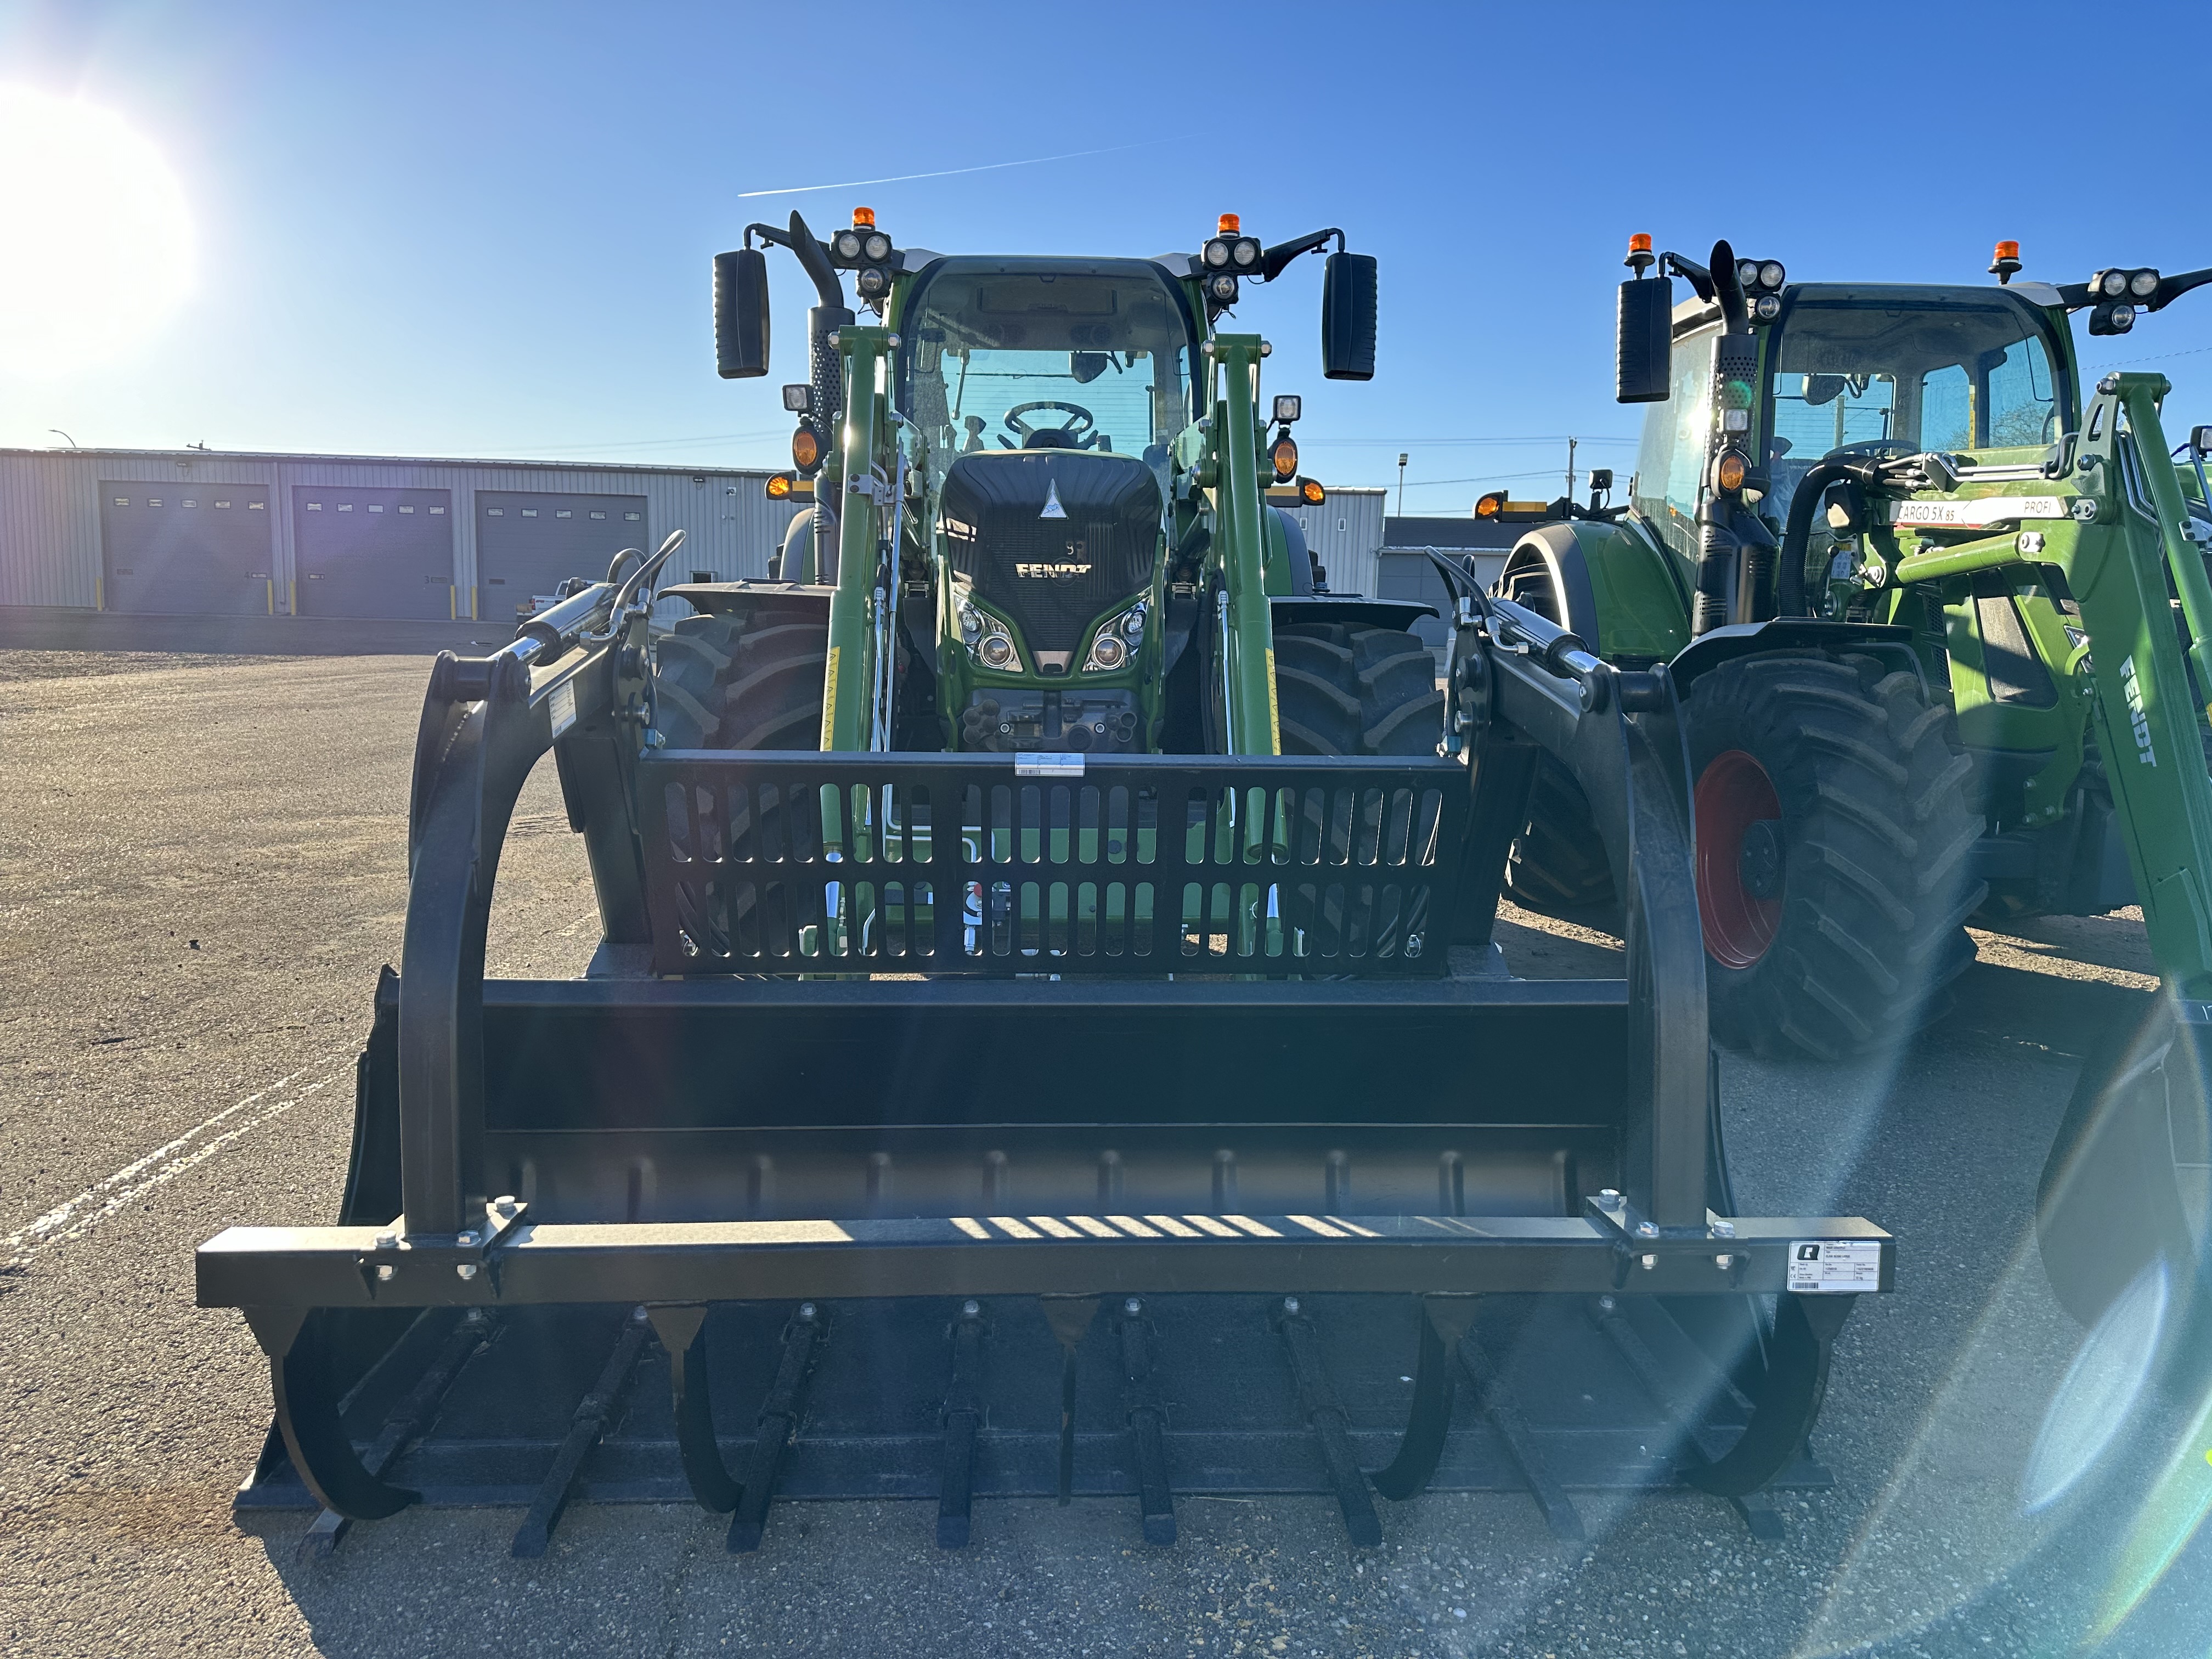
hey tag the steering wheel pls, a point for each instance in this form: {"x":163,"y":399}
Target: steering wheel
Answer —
{"x":1877,"y":448}
{"x":1073,"y":434}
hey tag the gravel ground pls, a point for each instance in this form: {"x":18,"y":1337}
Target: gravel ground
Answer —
{"x":201,"y":869}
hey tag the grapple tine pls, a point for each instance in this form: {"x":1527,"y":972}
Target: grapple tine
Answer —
{"x":407,"y":1420}
{"x":306,"y":1402}
{"x":1505,"y":1414}
{"x":1787,"y":1402}
{"x":1324,"y":1415}
{"x":585,"y":1430}
{"x":962,"y":1415}
{"x":1069,"y":1316}
{"x":778,"y":1421}
{"x":682,"y":1328}
{"x":1147,"y":1418}
{"x":1442,"y":1321}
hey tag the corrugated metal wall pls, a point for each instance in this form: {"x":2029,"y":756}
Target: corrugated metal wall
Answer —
{"x":1346,"y":531}
{"x":50,"y":550}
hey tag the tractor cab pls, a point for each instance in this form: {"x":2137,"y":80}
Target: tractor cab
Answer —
{"x":1859,"y":370}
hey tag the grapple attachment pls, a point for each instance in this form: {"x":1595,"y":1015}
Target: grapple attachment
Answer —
{"x":940,"y":1125}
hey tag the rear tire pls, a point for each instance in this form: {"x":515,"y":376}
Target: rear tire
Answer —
{"x":1343,"y":689}
{"x":1557,"y":867}
{"x":743,"y":680}
{"x":1833,"y":934}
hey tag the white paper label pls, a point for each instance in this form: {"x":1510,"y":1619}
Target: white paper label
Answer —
{"x":1043,"y":765}
{"x":564,"y":707}
{"x":1835,"y":1266}
{"x":1970,"y":515}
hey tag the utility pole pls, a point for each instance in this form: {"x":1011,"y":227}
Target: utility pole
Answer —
{"x":1571,"y":468}
{"x":1401,"y":485}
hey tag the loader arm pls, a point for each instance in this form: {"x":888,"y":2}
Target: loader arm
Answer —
{"x":863,"y":482}
{"x":2119,"y":547}
{"x":1243,"y":620}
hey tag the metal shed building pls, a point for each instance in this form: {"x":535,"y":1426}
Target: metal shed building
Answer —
{"x":1346,"y":533}
{"x":200,"y":532}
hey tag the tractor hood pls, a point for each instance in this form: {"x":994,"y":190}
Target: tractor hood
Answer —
{"x":1050,"y":538}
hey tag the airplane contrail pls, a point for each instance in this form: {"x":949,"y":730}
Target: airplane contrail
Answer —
{"x":947,"y":173}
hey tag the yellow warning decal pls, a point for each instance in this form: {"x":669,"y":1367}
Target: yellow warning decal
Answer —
{"x":830,"y":702}
{"x":1274,"y":715}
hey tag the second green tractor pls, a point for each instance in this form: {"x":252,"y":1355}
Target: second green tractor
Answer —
{"x":1872,"y":532}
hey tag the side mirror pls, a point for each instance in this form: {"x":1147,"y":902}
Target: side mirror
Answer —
{"x":741,"y":314}
{"x":2200,"y":441}
{"x":1347,"y":317}
{"x":1643,"y":361}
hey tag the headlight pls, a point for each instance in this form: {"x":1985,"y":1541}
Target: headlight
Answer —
{"x":2114,"y":284}
{"x":1245,"y":251}
{"x":971,"y":625}
{"x":1771,"y":274}
{"x":847,"y":244}
{"x":2121,"y":317}
{"x":1217,"y":253}
{"x":1222,"y":288}
{"x":1133,"y":623}
{"x":873,"y":281}
{"x":996,"y":651}
{"x":1746,"y":273}
{"x":1769,"y":307}
{"x":2143,"y":284}
{"x":877,"y":247}
{"x":1107,"y":653}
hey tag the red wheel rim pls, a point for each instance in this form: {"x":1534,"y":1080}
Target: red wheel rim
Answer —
{"x":1734,"y":793}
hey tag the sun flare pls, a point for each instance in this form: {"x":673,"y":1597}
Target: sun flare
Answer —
{"x":98,"y":234}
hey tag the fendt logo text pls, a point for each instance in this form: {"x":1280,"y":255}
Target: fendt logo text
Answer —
{"x":1050,"y":570}
{"x":2133,"y":687}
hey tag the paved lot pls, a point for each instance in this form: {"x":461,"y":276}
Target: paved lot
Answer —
{"x":201,"y":869}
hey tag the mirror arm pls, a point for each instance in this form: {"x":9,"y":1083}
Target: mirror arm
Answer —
{"x":813,"y":258}
{"x":1277,"y":258}
{"x":2171,"y":289}
{"x":1701,"y":279}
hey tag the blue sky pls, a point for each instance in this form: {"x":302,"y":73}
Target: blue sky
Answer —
{"x":486,"y":230}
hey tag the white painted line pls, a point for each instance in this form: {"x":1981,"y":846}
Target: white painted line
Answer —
{"x":163,"y":1165}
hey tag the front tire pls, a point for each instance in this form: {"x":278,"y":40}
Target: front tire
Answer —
{"x":744,"y":679}
{"x":1342,"y":689}
{"x":1833,"y":836}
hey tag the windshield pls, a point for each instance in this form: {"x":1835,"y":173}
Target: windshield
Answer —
{"x":1903,"y":374}
{"x":1001,"y":347}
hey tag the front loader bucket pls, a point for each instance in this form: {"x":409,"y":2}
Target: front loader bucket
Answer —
{"x":981,"y":1126}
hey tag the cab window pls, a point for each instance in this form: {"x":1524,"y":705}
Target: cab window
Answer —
{"x":1670,"y":461}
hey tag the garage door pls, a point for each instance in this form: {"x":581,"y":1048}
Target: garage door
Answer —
{"x":374,"y":552}
{"x":188,"y":551}
{"x":526,"y":544}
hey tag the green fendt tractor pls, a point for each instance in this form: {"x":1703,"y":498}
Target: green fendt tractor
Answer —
{"x":1856,"y":534}
{"x":1050,"y":554}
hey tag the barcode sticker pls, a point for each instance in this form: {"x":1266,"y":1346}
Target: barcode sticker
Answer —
{"x":1834,"y":1266}
{"x":564,"y":707}
{"x":1042,"y":764}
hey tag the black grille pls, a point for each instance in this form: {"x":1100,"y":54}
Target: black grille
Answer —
{"x":990,"y":515}
{"x":962,"y":864}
